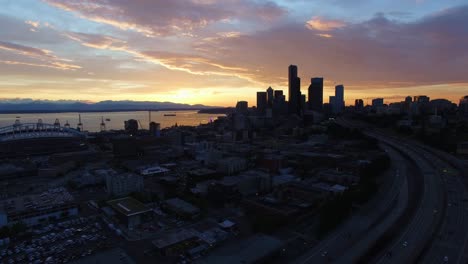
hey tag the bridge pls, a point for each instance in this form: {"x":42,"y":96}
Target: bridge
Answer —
{"x":21,"y":131}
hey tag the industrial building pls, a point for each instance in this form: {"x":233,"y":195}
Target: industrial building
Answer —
{"x":129,"y":211}
{"x":39,"y":208}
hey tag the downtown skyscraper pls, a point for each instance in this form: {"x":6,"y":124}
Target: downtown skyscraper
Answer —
{"x":316,"y":94}
{"x":294,"y":91}
{"x":337,"y":102}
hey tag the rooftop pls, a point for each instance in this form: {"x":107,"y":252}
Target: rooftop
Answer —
{"x":45,"y":200}
{"x":153,"y":170}
{"x":202,"y":172}
{"x":248,"y":250}
{"x":182,"y":205}
{"x":174,"y":238}
{"x":128,"y":206}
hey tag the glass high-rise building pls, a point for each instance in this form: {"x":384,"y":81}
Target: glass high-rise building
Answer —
{"x":294,"y":90}
{"x":339,"y":99}
{"x":262,"y":102}
{"x":316,"y":94}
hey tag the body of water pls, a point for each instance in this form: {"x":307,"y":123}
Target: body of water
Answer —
{"x":115,"y":120}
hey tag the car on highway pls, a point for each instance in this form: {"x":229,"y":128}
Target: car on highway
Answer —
{"x":405,"y":244}
{"x":446,"y":259}
{"x":324,"y":254}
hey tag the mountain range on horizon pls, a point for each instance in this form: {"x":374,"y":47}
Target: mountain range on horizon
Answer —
{"x":30,"y":105}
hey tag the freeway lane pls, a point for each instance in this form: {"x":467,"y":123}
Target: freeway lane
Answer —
{"x":447,"y":238}
{"x":387,"y":207}
{"x":406,"y":248}
{"x":451,"y":240}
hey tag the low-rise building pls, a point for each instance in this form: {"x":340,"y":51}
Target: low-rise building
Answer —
{"x":39,"y":208}
{"x":254,"y":249}
{"x":124,"y":184}
{"x":129,"y":211}
{"x":232,"y":165}
{"x":181,"y":208}
{"x":202,"y":174}
{"x":154,"y":171}
{"x":176,"y":243}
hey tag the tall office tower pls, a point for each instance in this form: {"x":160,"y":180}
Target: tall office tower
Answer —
{"x":294,"y":90}
{"x":332,"y":104}
{"x":280,"y":106}
{"x":278,"y":94}
{"x":339,"y":98}
{"x":358,"y":104}
{"x":270,"y":96}
{"x":242,"y":107}
{"x":377,"y":102}
{"x":261,"y":102}
{"x":408,"y":100}
{"x":316,"y":94}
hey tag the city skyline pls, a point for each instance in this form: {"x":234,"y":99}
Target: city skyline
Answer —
{"x":205,"y":52}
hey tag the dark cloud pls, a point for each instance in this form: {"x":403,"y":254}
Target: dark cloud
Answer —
{"x":161,"y":17}
{"x":25,"y":50}
{"x":380,"y":50}
{"x":33,"y":57}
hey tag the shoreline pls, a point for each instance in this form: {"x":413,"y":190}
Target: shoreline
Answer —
{"x":96,"y":111}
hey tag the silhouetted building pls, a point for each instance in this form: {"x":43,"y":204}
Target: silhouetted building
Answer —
{"x":270,"y":97}
{"x":280,"y":106}
{"x":422,"y":104}
{"x":261,"y":102}
{"x":359,"y":104}
{"x":339,"y":95}
{"x":294,"y":91}
{"x":131,"y":126}
{"x":155,"y":129}
{"x":316,"y":94}
{"x":377,"y":102}
{"x":463,"y":106}
{"x":278,"y":94}
{"x":408,"y":100}
{"x":332,"y":104}
{"x":439,"y":106}
{"x":242,"y":107}
{"x":421,"y":99}
{"x":407,"y":104}
{"x":337,"y":102}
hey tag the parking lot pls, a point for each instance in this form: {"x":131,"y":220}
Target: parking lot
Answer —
{"x":60,"y":243}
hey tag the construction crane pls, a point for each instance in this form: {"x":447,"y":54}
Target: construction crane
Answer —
{"x":103,"y":125}
{"x":80,"y":125}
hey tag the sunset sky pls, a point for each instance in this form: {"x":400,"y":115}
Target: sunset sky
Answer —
{"x":218,"y":52}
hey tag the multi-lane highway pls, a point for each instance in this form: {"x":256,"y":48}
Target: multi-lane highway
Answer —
{"x":441,"y":235}
{"x":451,"y":237}
{"x":365,"y":228}
{"x":413,"y":238}
{"x":437,"y":231}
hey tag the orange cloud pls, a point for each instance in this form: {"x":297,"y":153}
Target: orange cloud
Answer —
{"x":320,"y":24}
{"x":325,"y":35}
{"x":46,"y":57}
{"x":97,"y":41}
{"x":54,"y":65}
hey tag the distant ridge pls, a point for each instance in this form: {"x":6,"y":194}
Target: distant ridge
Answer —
{"x":47,"y":106}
